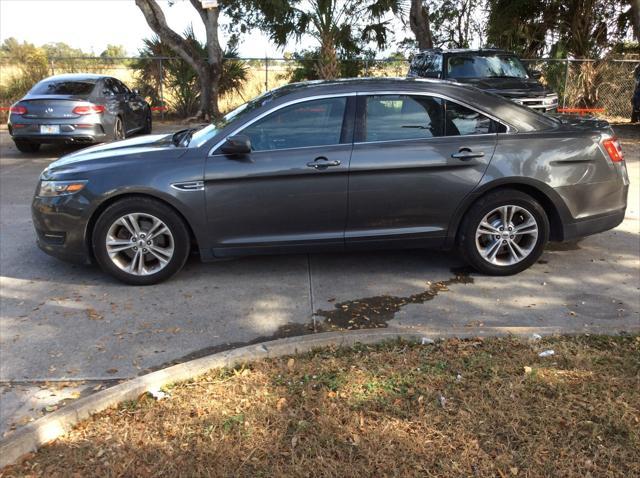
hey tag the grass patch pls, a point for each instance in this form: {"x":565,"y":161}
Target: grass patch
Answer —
{"x":455,"y":408}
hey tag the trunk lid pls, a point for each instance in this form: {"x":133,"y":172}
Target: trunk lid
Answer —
{"x":51,"y":106}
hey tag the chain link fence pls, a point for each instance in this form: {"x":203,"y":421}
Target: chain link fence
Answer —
{"x":605,"y":86}
{"x":602,"y":85}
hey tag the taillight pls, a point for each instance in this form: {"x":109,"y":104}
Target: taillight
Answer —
{"x":18,"y":110}
{"x":88,"y":109}
{"x":613,"y":149}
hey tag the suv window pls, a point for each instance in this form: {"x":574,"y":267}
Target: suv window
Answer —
{"x":461,"y":120}
{"x":485,"y":66}
{"x":426,"y":66}
{"x":312,"y":123}
{"x":391,"y":117}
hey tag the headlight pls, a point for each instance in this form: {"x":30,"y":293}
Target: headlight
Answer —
{"x":551,"y":100}
{"x":60,"y":188}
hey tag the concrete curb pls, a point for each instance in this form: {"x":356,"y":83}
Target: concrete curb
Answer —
{"x":56,"y":424}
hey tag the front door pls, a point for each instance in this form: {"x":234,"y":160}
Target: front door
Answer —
{"x":414,"y":160}
{"x":291,"y":190}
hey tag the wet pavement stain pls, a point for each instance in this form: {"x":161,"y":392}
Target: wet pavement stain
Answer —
{"x":367,"y":313}
{"x":374,"y":312}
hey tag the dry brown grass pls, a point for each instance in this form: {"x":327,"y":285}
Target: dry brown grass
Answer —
{"x":456,"y":408}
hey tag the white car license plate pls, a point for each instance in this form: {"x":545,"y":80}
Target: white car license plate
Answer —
{"x":49,"y":129}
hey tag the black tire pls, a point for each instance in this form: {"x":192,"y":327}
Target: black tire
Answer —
{"x":485,"y":205}
{"x":145,"y":206}
{"x":148,"y":124}
{"x":635,"y":116}
{"x":26,"y":146}
{"x":118,"y":130}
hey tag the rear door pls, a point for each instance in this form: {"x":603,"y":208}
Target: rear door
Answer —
{"x":291,"y":190}
{"x":414,"y":160}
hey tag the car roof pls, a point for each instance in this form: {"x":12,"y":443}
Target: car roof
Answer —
{"x":465,"y":50}
{"x":76,"y":77}
{"x":518,"y":116}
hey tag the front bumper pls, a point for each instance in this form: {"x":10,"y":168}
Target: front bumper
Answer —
{"x":61,"y":225}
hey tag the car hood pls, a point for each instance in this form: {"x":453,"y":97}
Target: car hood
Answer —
{"x":509,"y":87}
{"x":134,"y":148}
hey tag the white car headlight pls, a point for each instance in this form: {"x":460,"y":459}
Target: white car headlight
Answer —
{"x":551,"y":100}
{"x":60,"y":188}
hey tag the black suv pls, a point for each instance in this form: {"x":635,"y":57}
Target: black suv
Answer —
{"x":497,"y":71}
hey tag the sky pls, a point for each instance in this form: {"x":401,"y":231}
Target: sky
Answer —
{"x":92,"y":24}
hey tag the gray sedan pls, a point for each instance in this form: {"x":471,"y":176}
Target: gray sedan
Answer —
{"x":334,"y":166}
{"x":78,"y":109}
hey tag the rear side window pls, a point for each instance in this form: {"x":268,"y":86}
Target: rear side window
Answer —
{"x":397,"y":117}
{"x":426,"y":66}
{"x":461,"y":121}
{"x":63,"y":87}
{"x":312,"y":123}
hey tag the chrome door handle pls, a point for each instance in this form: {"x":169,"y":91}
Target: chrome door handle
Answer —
{"x":465,"y":154}
{"x":322,"y":163}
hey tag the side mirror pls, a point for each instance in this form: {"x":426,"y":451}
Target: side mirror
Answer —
{"x":238,"y":144}
{"x":535,"y":74}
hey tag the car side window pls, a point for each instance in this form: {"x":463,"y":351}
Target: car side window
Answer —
{"x":121,"y":86}
{"x":397,"y":117}
{"x":311,"y":123}
{"x":461,"y":121}
{"x":109,"y":89}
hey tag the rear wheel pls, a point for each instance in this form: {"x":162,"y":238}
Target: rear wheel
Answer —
{"x":635,"y":116}
{"x":118,"y":130}
{"x":26,"y":146}
{"x":140,"y":241}
{"x":504,"y":232}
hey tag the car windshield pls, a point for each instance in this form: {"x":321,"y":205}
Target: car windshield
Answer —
{"x":485,"y":66}
{"x":205,"y":134}
{"x":64,"y":87}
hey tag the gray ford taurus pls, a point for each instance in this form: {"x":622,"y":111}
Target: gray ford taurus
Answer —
{"x":333,"y":166}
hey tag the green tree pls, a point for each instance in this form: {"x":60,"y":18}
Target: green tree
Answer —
{"x":207,"y":66}
{"x":335,"y":25}
{"x":179,"y":79}
{"x":114,"y":51}
{"x":30,"y":63}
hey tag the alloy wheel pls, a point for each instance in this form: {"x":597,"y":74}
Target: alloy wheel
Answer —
{"x":506,"y":235}
{"x":140,"y":244}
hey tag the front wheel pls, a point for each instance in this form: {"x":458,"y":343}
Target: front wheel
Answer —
{"x":140,"y":241}
{"x":504,"y":232}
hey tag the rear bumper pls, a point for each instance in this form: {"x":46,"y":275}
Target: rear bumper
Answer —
{"x":69,"y":133}
{"x":593,"y":225}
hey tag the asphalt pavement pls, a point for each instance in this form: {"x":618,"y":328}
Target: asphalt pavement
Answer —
{"x":66,"y":330}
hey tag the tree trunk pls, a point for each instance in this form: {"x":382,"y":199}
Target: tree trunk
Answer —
{"x":327,"y":67}
{"x":208,"y":69}
{"x":635,"y":18}
{"x":419,"y":23}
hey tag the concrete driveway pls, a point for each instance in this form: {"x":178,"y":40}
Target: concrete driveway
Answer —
{"x":66,"y":330}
